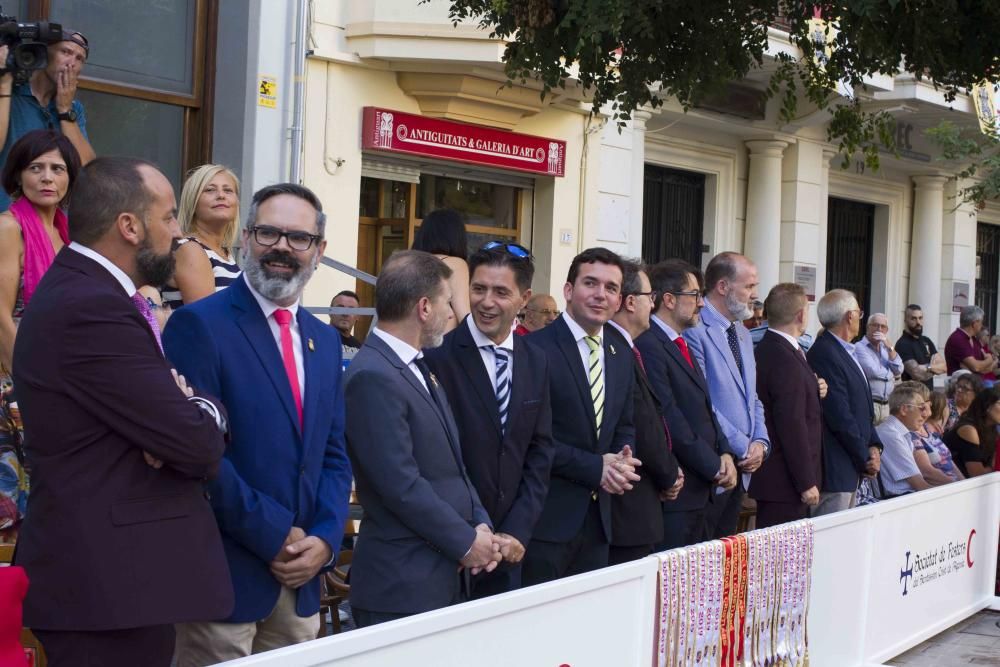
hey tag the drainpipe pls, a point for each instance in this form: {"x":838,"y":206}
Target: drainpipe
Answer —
{"x":298,"y":92}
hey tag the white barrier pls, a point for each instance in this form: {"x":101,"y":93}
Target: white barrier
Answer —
{"x":858,"y":616}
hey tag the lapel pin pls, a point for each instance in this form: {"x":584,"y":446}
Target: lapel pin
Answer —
{"x":434,"y":379}
{"x":612,"y":348}
{"x":312,"y":346}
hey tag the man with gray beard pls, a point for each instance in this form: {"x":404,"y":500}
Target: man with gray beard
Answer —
{"x":721,"y":345}
{"x":281,"y":495}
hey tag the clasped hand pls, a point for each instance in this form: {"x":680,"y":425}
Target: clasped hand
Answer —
{"x":726,"y":477}
{"x":618,"y":472}
{"x":300,"y":558}
{"x":487,"y":550}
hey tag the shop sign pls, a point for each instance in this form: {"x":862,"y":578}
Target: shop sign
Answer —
{"x":805,"y":277}
{"x":392,"y":131}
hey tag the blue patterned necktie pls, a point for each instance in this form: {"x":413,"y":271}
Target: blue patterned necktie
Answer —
{"x":502,"y":359}
{"x":734,"y":345}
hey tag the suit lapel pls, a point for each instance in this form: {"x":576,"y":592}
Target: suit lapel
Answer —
{"x":720,"y":339}
{"x":254,"y":326}
{"x":471,"y":361}
{"x":571,"y":353}
{"x":674,"y":353}
{"x":313,"y":369}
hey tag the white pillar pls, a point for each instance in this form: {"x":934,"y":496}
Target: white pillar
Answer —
{"x":925,"y":250}
{"x":638,"y":179}
{"x":762,"y":238}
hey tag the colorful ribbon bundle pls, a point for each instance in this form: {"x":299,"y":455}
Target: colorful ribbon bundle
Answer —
{"x":737,"y":602}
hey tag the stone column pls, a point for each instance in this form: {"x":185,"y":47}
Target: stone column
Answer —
{"x":762,"y":238}
{"x":637,"y":126}
{"x":925,"y":250}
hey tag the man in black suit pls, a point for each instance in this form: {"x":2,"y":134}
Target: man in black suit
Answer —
{"x":787,"y":483}
{"x":851,"y":447}
{"x":498,"y":387}
{"x":590,"y":381}
{"x":698,"y":441}
{"x":119,"y":540}
{"x":425,"y":531}
{"x":637,"y":516}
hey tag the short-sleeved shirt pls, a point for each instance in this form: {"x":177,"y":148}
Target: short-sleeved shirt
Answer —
{"x":960,"y":346}
{"x":26,"y":114}
{"x":897,"y":457}
{"x":917,"y":348}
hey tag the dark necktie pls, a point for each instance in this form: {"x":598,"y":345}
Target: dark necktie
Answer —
{"x":734,"y":345}
{"x":642,"y":366}
{"x":683,"y":346}
{"x":429,"y":380}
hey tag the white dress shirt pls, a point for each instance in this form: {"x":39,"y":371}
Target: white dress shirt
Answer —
{"x":666,"y":328}
{"x":578,"y":335}
{"x":792,"y":340}
{"x":119,"y":275}
{"x":488,"y":354}
{"x":406,"y":352}
{"x":268,"y":307}
{"x":621,"y":330}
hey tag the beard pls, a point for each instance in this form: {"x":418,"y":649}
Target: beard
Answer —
{"x":155,"y":270}
{"x":272,"y":286}
{"x":738,"y":310}
{"x":917,"y":330}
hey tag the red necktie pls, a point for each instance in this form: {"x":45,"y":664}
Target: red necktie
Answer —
{"x":666,"y":429}
{"x":284,"y":319}
{"x":682,"y":344}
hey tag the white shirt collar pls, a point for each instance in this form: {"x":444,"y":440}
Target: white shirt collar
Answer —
{"x":667,"y":329}
{"x":622,"y":331}
{"x":269,"y":306}
{"x":119,"y":275}
{"x":480,"y":339}
{"x":406,"y":352}
{"x":578,"y":332}
{"x":791,"y":339}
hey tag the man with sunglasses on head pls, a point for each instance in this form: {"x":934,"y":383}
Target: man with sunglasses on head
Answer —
{"x":282,"y":490}
{"x":498,"y":387}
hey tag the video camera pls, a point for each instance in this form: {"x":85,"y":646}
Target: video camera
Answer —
{"x":28,"y":45}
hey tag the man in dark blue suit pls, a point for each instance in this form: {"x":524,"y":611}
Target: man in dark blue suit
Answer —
{"x":699,"y":444}
{"x":590,"y":381}
{"x":425,"y":533}
{"x":851,"y":447}
{"x":281,"y":494}
{"x":498,"y":387}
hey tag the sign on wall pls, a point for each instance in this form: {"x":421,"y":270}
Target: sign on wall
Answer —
{"x":392,"y":131}
{"x":805,"y":277}
{"x":959,"y":296}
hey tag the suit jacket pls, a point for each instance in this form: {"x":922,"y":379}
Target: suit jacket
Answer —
{"x":848,"y":415}
{"x":510,"y":470}
{"x":420,"y":505}
{"x":787,"y":387}
{"x":685,"y":403}
{"x":637,"y":515}
{"x":110,"y":543}
{"x":578,"y":461}
{"x":275,"y":474}
{"x":734,"y":394}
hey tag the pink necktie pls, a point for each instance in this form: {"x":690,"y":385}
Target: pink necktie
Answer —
{"x":147,"y":313}
{"x":284,"y":318}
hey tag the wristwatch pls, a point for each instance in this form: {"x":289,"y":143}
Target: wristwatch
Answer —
{"x":69,"y":116}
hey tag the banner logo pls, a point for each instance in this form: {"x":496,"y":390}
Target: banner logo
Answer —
{"x":936,"y":563}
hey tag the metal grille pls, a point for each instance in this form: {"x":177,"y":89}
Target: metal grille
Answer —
{"x":988,"y":271}
{"x":850,"y":226}
{"x":673,"y":212}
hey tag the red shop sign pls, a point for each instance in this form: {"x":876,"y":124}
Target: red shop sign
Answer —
{"x":398,"y":132}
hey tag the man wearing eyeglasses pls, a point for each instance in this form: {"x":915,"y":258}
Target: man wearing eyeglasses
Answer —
{"x":498,"y":387}
{"x":540,"y":311}
{"x":900,"y":473}
{"x":281,"y":494}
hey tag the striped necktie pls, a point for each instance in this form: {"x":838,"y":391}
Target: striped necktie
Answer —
{"x":596,"y":378}
{"x":502,"y":359}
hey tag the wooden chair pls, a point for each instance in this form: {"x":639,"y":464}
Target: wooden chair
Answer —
{"x":335,"y":588}
{"x":29,"y":641}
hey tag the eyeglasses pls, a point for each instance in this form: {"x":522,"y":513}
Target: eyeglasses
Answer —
{"x":153,"y":305}
{"x":695,"y":293}
{"x":962,"y":389}
{"x":269,"y":236}
{"x":914,"y":405}
{"x":512,"y":249}
{"x":544,"y":311}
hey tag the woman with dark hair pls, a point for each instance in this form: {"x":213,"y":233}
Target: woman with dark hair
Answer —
{"x":442,"y":233}
{"x":962,"y":388}
{"x":973,"y":441}
{"x":39,"y":174}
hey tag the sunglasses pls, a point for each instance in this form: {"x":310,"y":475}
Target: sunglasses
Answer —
{"x":512,"y":249}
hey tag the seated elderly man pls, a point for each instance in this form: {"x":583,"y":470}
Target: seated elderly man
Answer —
{"x":900,"y":474}
{"x":880,"y":362}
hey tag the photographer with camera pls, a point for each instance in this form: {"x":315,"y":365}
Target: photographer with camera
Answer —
{"x":45,"y":100}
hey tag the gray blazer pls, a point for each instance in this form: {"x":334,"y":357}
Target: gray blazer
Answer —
{"x":420,"y":506}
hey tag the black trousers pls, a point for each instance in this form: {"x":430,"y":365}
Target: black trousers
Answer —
{"x":619,"y":555}
{"x":724,"y":511}
{"x":548,"y":561}
{"x":151,"y":646}
{"x":772,"y":513}
{"x":363,"y":618}
{"x":504,"y":579}
{"x":683,"y":528}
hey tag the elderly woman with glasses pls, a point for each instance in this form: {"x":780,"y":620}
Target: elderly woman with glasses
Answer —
{"x":962,"y":388}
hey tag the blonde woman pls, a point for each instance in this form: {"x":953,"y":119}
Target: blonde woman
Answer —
{"x":209,"y":215}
